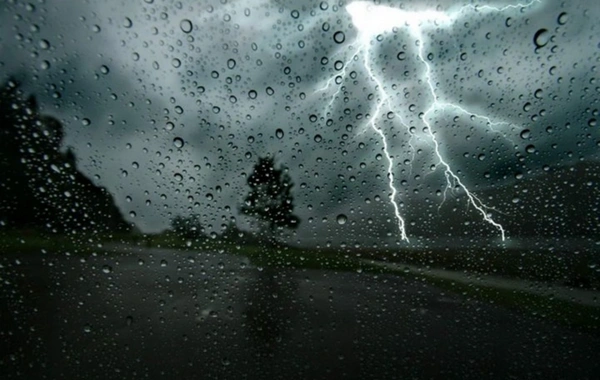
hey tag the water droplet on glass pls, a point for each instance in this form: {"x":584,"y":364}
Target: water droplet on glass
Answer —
{"x":541,"y":38}
{"x":342,"y":219}
{"x":127,"y":23}
{"x":318,"y":138}
{"x":279,"y":133}
{"x":562,"y":18}
{"x":252,"y":94}
{"x":186,"y":25}
{"x":525,"y":134}
{"x":176,"y":62}
{"x":231,"y":63}
{"x":178,"y":142}
{"x":104,"y":69}
{"x":339,"y":37}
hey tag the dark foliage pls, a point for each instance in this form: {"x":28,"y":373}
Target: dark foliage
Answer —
{"x":41,"y":187}
{"x":270,"y":199}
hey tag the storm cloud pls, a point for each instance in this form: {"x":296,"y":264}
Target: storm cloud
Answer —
{"x":169,"y":104}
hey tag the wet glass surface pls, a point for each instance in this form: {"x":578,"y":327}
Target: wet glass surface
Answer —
{"x":307,"y":190}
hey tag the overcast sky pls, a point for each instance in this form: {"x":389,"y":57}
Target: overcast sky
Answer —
{"x":131,"y":80}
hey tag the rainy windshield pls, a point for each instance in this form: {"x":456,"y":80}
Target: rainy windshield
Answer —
{"x":299,"y":189}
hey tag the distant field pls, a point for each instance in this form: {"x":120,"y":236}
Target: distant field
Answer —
{"x":577,"y":270}
{"x":572,"y":268}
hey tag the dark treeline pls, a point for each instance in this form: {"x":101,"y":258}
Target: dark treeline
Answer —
{"x":269,"y":202}
{"x":191,"y":228}
{"x":41,"y":187}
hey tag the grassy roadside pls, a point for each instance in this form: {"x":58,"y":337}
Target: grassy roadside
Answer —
{"x":75,"y":243}
{"x":578,"y":269}
{"x":572,"y":268}
{"x":538,"y":306}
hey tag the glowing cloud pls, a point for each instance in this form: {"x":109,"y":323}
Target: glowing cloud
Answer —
{"x":372,"y":20}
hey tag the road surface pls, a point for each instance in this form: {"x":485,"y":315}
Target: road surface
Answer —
{"x":164,"y":314}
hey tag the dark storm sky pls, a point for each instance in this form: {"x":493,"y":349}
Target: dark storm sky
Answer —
{"x":128,"y":78}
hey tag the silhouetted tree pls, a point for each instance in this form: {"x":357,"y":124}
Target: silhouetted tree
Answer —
{"x":41,"y":186}
{"x":270,"y":199}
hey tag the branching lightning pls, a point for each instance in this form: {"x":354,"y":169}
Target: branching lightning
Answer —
{"x":372,"y":20}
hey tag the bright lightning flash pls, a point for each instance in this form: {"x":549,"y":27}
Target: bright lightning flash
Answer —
{"x":372,"y":20}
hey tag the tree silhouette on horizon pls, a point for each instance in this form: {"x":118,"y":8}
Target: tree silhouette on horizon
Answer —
{"x":270,"y":199}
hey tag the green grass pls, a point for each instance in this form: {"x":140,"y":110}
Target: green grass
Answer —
{"x":538,"y":306}
{"x":569,"y":268}
{"x":74,"y":243}
{"x":291,"y":257}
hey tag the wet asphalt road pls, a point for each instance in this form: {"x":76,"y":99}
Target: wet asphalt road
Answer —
{"x":161,"y":314}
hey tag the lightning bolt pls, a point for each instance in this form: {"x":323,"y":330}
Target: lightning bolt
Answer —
{"x":372,"y":20}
